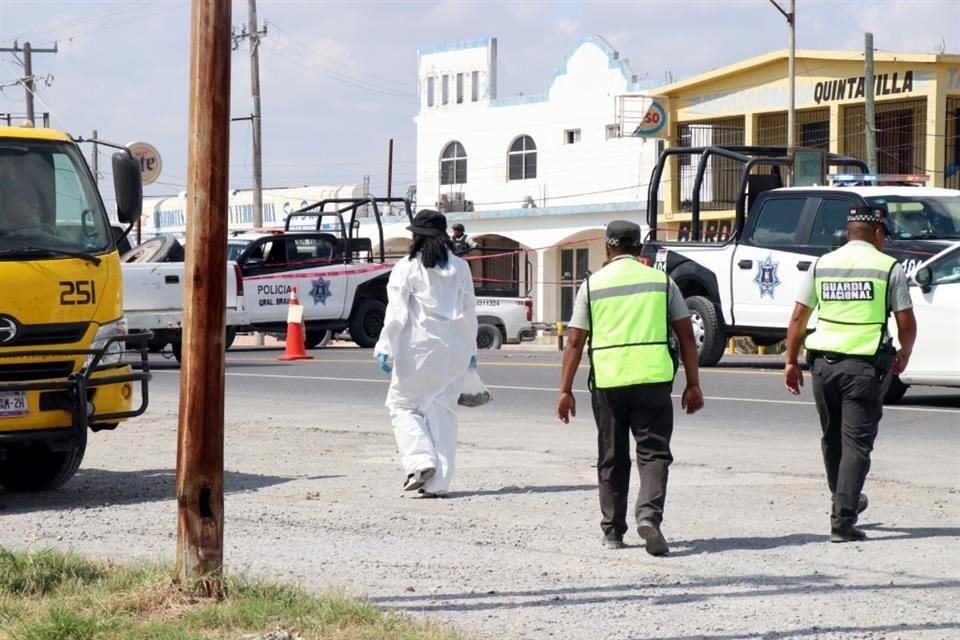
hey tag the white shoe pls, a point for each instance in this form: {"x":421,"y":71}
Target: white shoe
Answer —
{"x":418,"y":478}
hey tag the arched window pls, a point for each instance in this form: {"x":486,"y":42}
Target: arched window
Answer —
{"x":522,"y":159}
{"x":453,"y":164}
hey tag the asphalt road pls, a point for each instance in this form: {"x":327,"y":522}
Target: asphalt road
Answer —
{"x":749,"y":417}
{"x":313,"y":496}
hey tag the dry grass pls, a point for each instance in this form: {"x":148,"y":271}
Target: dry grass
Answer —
{"x":57,"y":596}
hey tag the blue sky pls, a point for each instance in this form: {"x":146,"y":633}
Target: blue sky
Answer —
{"x":339,"y":78}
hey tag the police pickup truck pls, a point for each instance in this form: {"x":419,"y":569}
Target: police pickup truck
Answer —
{"x":747,"y":285}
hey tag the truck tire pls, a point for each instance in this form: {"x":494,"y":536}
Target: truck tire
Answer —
{"x":229,"y":337}
{"x":366,"y":322}
{"x":318,"y":338}
{"x":489,"y":337}
{"x":159,"y":249}
{"x":34,"y":467}
{"x":895,"y":391}
{"x":706,"y":330}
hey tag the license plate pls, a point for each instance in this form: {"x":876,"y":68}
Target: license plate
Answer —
{"x":13,"y":404}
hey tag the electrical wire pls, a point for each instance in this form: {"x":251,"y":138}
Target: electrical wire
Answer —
{"x":405,"y":84}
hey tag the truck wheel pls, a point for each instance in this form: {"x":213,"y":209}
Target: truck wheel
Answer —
{"x":177,"y":348}
{"x":229,"y":337}
{"x":895,"y":391}
{"x":489,"y":337}
{"x":319,"y":338}
{"x":159,"y":249}
{"x":706,"y":330}
{"x":366,"y":322}
{"x":34,"y":467}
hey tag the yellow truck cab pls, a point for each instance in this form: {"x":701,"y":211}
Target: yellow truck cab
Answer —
{"x":65,"y":356}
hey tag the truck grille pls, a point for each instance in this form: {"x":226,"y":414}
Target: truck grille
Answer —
{"x":24,"y":372}
{"x":36,"y":335}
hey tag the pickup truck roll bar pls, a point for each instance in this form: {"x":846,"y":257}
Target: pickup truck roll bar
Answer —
{"x":350,"y":206}
{"x":749,"y":156}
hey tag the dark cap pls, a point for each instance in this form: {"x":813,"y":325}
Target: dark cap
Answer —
{"x":457,"y":227}
{"x":623,"y":233}
{"x":866,"y":213}
{"x":428,"y":222}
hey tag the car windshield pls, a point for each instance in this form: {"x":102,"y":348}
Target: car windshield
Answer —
{"x":235,"y":248}
{"x":48,"y":201}
{"x":921,"y":216}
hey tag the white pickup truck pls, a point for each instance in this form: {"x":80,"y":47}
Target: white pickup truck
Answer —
{"x":747,"y":285}
{"x":153,"y":301}
{"x":339,"y":278}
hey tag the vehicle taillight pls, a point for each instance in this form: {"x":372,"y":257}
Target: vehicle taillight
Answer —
{"x":529,"y":305}
{"x":239,"y":277}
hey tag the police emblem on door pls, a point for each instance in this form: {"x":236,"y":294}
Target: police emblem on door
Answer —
{"x":766,"y":277}
{"x":320,"y":291}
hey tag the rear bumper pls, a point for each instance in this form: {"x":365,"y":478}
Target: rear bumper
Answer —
{"x":64,"y":408}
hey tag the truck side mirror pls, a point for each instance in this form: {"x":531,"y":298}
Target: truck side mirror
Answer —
{"x":128,"y":187}
{"x":924,"y":278}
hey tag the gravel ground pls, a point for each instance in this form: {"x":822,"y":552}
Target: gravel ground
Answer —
{"x":516,"y":552}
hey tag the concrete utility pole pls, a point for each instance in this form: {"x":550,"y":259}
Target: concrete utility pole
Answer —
{"x":870,"y":117}
{"x":253,"y":34}
{"x":95,"y":160}
{"x":255,"y":93}
{"x":27,"y":80}
{"x":390,"y":169}
{"x":200,"y":431}
{"x":791,"y":70}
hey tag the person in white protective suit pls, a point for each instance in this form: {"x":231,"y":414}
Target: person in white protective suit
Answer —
{"x":428,"y":343}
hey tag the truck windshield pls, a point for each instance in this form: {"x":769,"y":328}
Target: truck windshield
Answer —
{"x":921,"y":216}
{"x":48,"y":201}
{"x":235,"y":248}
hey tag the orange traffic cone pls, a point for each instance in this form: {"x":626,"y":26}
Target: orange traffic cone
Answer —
{"x":294,"y":349}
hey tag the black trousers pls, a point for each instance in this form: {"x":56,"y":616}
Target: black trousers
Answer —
{"x":849,"y":396}
{"x":645,"y":410}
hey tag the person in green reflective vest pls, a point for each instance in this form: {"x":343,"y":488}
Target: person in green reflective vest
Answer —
{"x":623,"y":314}
{"x":854,"y":290}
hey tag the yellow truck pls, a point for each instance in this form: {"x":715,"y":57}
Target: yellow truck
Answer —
{"x":65,"y":356}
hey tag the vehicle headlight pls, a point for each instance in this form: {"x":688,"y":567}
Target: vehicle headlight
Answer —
{"x":114,"y":350}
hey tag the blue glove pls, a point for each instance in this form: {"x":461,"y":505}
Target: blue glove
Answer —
{"x":383,"y":359}
{"x":473,"y":362}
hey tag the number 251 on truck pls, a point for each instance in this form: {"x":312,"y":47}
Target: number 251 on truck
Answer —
{"x":63,"y":339}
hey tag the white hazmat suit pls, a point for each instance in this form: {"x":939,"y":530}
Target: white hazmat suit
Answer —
{"x":430,"y":333}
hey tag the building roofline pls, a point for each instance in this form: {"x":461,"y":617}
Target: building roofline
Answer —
{"x":478,"y":43}
{"x":614,"y":61}
{"x":805,"y":54}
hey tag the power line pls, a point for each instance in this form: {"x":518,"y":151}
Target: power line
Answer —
{"x":402,"y":83}
{"x":28,"y":78}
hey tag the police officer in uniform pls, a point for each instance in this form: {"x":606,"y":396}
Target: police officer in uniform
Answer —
{"x":854,"y":290}
{"x":462,"y":244}
{"x":624,"y":313}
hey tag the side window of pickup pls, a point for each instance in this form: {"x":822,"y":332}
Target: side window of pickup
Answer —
{"x":831,"y":218}
{"x":777,"y":222}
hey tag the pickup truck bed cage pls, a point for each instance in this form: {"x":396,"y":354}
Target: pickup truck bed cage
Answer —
{"x":750,"y":157}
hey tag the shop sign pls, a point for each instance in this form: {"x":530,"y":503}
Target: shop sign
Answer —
{"x":886,"y":84}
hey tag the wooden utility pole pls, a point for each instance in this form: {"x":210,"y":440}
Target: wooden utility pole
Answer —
{"x":200,"y":430}
{"x":869,"y":109}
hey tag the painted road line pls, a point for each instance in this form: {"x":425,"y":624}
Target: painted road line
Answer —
{"x":483,"y":363}
{"x":385,"y":380}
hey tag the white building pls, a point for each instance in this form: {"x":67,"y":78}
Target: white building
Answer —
{"x":167,"y":214}
{"x":543,"y":172}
